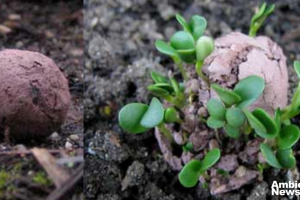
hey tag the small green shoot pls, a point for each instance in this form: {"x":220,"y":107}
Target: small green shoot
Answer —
{"x":259,"y":18}
{"x":191,"y":172}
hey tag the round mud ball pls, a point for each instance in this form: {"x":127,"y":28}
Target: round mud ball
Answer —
{"x":238,"y":56}
{"x":34,"y":95}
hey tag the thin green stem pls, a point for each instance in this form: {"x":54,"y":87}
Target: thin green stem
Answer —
{"x":182,"y":70}
{"x":163,"y":129}
{"x":199,"y":66}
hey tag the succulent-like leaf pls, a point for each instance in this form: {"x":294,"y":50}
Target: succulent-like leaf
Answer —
{"x":288,"y":136}
{"x":190,"y":173}
{"x":216,"y":108}
{"x":232,"y":131}
{"x":165,"y":86}
{"x":286,"y":158}
{"x":188,"y":56}
{"x":249,"y":89}
{"x":227,"y":96}
{"x":268,"y":122}
{"x":154,"y":114}
{"x":259,"y":14}
{"x":175,"y":86}
{"x":130,"y":117}
{"x":297,"y":67}
{"x":210,"y":159}
{"x":158,"y":78}
{"x":277,"y":118}
{"x":215,"y":123}
{"x":204,"y":47}
{"x":198,"y":26}
{"x":270,"y":156}
{"x":183,"y":23}
{"x":182,"y":40}
{"x":165,"y":48}
{"x":235,"y":117}
{"x":171,"y":115}
{"x":157,"y":91}
{"x":255,"y":123}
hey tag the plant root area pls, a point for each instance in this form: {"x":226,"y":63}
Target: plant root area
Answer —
{"x":51,"y":168}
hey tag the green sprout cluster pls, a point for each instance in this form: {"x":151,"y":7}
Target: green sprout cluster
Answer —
{"x":229,"y":111}
{"x":189,"y":45}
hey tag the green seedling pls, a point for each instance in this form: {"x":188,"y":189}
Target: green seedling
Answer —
{"x":167,"y":89}
{"x":188,"y":147}
{"x":188,"y":45}
{"x":259,"y":18}
{"x":294,"y":108}
{"x":190,"y":173}
{"x":138,"y":117}
{"x":227,"y":112}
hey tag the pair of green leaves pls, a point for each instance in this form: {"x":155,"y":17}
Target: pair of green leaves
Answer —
{"x":259,"y":18}
{"x":167,"y":89}
{"x":191,"y":172}
{"x":245,"y":92}
{"x":284,"y":158}
{"x":228,"y":113}
{"x":188,"y":45}
{"x":139,"y":117}
{"x":229,"y":118}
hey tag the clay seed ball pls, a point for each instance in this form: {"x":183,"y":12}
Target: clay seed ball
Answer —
{"x":34,"y":95}
{"x":238,"y":56}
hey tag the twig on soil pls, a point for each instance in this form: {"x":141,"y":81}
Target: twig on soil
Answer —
{"x":59,"y":193}
{"x":57,"y":174}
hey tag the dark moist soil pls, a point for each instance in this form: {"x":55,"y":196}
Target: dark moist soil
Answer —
{"x":119,"y":48}
{"x":53,"y":28}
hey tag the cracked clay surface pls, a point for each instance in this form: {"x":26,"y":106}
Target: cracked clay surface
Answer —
{"x":238,"y":56}
{"x":34,"y":94}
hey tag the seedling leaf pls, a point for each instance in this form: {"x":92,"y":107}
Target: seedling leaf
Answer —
{"x":255,"y":123}
{"x":210,"y":159}
{"x":165,"y":48}
{"x":171,"y":115}
{"x":288,"y":136}
{"x":158,"y":78}
{"x":235,"y":117}
{"x":249,"y":89}
{"x":204,"y":47}
{"x":277,"y":118}
{"x":154,"y":115}
{"x":259,"y":14}
{"x":215,"y":123}
{"x":286,"y":158}
{"x":183,"y":23}
{"x":270,"y":156}
{"x":157,"y":91}
{"x":189,"y":174}
{"x":227,"y":96}
{"x":232,"y":131}
{"x":165,"y":86}
{"x":198,"y":25}
{"x":216,"y":108}
{"x":188,"y":56}
{"x":267,"y":121}
{"x":182,"y":40}
{"x":130,"y":117}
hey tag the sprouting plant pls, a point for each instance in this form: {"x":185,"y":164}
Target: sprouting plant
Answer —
{"x":167,"y":89}
{"x":231,"y":113}
{"x":227,"y":111}
{"x":139,"y":117}
{"x":191,"y":172}
{"x":259,"y":18}
{"x":293,"y":109}
{"x":189,"y":45}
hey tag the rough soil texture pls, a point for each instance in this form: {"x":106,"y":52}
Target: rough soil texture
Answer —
{"x":53,"y":28}
{"x":119,"y":38}
{"x":34,"y":92}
